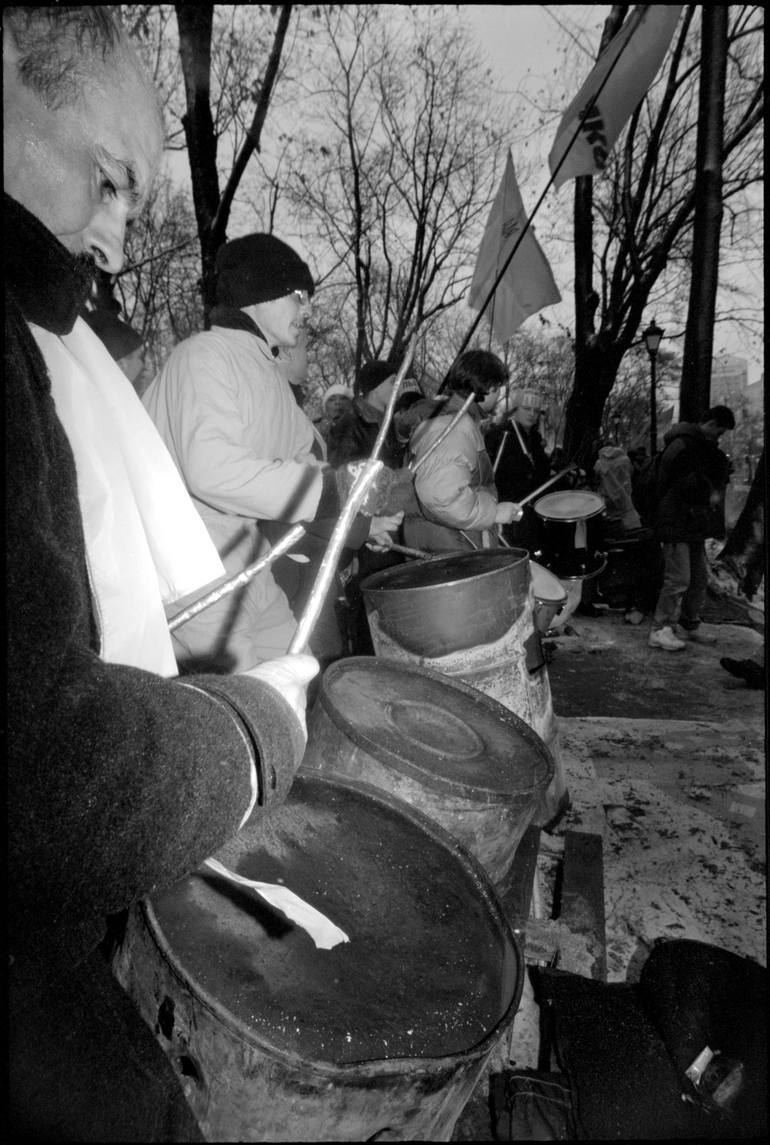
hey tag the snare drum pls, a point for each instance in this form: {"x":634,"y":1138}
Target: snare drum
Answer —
{"x":550,"y":596}
{"x":571,"y":526}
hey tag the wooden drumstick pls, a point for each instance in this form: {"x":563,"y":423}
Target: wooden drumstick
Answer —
{"x":545,"y":485}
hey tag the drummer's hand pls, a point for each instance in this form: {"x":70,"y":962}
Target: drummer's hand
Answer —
{"x":290,"y":676}
{"x":508,"y":511}
{"x":380,"y":530}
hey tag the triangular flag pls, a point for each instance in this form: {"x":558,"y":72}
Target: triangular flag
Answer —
{"x":639,"y":48}
{"x":528,"y":284}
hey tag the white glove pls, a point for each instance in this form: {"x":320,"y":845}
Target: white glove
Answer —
{"x":380,"y":530}
{"x":508,"y":511}
{"x":289,"y":676}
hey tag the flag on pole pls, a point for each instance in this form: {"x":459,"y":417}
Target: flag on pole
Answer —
{"x":639,"y":48}
{"x":528,"y":284}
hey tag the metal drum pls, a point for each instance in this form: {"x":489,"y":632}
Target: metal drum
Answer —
{"x":550,"y":596}
{"x":387,"y":1034}
{"x":443,"y":747}
{"x":437,"y":606}
{"x":503,"y":660}
{"x":571,"y":526}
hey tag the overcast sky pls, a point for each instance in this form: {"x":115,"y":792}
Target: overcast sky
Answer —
{"x":520,"y":41}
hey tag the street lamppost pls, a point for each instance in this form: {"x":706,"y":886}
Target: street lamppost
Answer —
{"x":652,"y":336}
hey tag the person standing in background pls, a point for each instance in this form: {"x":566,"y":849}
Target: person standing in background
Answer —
{"x":124,"y":345}
{"x":691,"y":485}
{"x":457,"y":505}
{"x":520,"y":462}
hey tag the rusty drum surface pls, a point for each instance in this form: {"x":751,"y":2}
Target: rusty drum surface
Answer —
{"x":442,"y":746}
{"x":276,"y":1040}
{"x":443,"y":604}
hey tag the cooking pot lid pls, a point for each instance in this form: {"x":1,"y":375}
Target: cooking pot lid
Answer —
{"x":441,"y":731}
{"x":447,"y":570}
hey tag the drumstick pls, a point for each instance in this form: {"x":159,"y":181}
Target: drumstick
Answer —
{"x":500,"y":452}
{"x":355,"y":499}
{"x":237,"y":581}
{"x":463,"y":409}
{"x":421,"y":553}
{"x":545,"y":485}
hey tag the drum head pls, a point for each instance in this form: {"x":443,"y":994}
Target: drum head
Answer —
{"x":449,"y":570}
{"x":439,"y":731}
{"x":545,"y":585}
{"x":570,"y":505}
{"x":431,"y":967}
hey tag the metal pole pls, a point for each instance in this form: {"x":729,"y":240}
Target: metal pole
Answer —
{"x":653,"y":410}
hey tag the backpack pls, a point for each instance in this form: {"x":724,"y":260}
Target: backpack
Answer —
{"x":644,"y":489}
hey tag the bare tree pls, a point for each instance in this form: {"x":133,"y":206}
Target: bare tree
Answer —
{"x":212,"y":206}
{"x":398,"y":163}
{"x":644,"y":206}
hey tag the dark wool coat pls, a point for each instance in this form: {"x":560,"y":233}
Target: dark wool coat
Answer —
{"x":119,"y":781}
{"x":692,"y":480}
{"x":517,"y":475}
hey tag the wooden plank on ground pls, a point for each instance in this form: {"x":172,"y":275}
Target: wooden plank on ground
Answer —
{"x":583,"y":947}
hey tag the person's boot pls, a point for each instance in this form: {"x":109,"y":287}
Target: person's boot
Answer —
{"x":748,"y":670}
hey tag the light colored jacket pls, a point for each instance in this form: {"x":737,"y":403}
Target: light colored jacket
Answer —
{"x":225,"y":410}
{"x":455,"y":486}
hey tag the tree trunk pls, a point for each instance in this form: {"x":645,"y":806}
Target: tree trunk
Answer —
{"x":699,"y":335}
{"x":586,"y":402}
{"x":195,"y":23}
{"x":746,"y":543}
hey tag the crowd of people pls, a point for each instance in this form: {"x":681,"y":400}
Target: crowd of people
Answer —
{"x":134,"y":753}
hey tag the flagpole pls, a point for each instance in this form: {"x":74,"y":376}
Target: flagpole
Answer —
{"x":583,"y":116}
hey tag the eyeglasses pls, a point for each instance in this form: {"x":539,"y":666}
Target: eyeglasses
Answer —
{"x":302,"y":297}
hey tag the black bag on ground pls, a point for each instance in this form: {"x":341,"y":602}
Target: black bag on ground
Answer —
{"x":624,"y":1049}
{"x":530,"y":1105}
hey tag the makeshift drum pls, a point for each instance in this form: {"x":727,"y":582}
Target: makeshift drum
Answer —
{"x":471,"y":615}
{"x":571,"y":526}
{"x":443,"y":747}
{"x":388,"y":1033}
{"x":550,"y":596}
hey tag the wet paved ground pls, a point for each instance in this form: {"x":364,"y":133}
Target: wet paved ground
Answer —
{"x":665,"y":759}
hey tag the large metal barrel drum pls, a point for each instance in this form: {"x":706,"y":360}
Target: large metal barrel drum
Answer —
{"x":380,"y":1037}
{"x":440,"y":745}
{"x":471,"y":616}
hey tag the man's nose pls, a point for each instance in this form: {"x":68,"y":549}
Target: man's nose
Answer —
{"x":105,"y":235}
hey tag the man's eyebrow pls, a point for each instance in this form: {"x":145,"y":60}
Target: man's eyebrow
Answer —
{"x":124,"y":175}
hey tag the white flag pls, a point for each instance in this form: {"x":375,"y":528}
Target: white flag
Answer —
{"x":641,"y":44}
{"x":528,"y":284}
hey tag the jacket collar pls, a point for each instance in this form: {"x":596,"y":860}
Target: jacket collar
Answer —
{"x":49,"y":283}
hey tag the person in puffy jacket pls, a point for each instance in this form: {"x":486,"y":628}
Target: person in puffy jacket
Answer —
{"x":692,"y":480}
{"x":457,"y":503}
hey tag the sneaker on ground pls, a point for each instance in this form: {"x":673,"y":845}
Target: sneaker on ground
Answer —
{"x":664,"y":638}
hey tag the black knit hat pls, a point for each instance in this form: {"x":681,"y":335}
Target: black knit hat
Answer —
{"x":259,"y":268}
{"x":372,"y":375}
{"x":119,"y":338}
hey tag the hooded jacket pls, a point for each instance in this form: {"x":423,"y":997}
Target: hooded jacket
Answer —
{"x":693,"y":476}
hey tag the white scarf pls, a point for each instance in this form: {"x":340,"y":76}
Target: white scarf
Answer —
{"x":146,"y":546}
